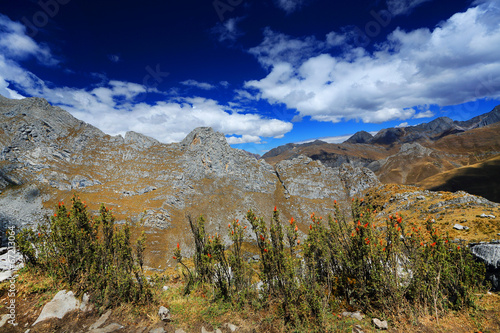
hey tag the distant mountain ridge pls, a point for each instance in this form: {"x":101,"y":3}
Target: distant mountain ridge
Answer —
{"x":433,"y":130}
{"x":408,"y":155}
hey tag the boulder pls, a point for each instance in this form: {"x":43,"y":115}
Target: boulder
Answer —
{"x":62,"y":303}
{"x":489,"y":254}
{"x":379,"y":324}
{"x":164,"y":314}
{"x":460,"y":227}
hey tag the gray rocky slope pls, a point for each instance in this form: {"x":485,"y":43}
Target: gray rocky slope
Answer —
{"x":46,"y":155}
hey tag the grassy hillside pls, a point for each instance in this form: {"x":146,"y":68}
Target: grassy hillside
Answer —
{"x":480,"y":179}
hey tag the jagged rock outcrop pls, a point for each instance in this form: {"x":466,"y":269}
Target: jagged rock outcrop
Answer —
{"x":307,"y":178}
{"x":356,"y":180}
{"x":482,"y":120}
{"x":139,"y":141}
{"x":208,"y":155}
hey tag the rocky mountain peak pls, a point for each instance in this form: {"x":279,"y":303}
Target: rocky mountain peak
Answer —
{"x":204,"y":137}
{"x":388,"y":136}
{"x":139,"y":140}
{"x":436,"y":126}
{"x":360,"y":137}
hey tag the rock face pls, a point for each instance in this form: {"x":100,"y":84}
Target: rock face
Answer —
{"x":304,"y":177}
{"x":46,"y":155}
{"x":490,"y":255}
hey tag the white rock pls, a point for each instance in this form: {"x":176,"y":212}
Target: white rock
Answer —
{"x":4,"y":319}
{"x":62,"y":303}
{"x":357,"y":315}
{"x":5,"y":275}
{"x":381,"y":325}
{"x":231,"y":327}
{"x":164,"y":314}
{"x":86,"y":305}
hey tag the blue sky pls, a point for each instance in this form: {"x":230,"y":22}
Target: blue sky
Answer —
{"x":264,"y":73}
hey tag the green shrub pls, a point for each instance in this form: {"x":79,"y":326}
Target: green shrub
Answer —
{"x":345,"y":261}
{"x":91,"y":254}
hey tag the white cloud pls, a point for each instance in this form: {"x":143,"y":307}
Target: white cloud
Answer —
{"x":111,"y":109}
{"x":277,"y":47}
{"x":289,"y":6}
{"x":424,"y":114}
{"x":201,"y":85}
{"x":14,"y":43}
{"x":228,"y":30}
{"x":335,"y":39}
{"x":402,"y":7}
{"x":405,"y":124}
{"x":334,"y":139}
{"x":233,"y":140}
{"x":452,"y":64}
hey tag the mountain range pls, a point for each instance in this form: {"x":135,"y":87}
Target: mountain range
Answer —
{"x":434,"y":155}
{"x":47,"y":156}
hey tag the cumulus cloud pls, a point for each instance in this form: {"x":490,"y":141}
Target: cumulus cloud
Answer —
{"x":113,"y":106}
{"x":453,"y":63}
{"x":201,"y":85}
{"x":403,"y":7}
{"x":234,"y":140}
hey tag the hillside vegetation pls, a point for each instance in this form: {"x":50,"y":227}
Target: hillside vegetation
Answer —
{"x":396,"y":269}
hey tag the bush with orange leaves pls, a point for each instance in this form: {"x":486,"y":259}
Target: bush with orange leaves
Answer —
{"x":90,"y":254}
{"x":392,"y":267}
{"x":348,"y":261}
